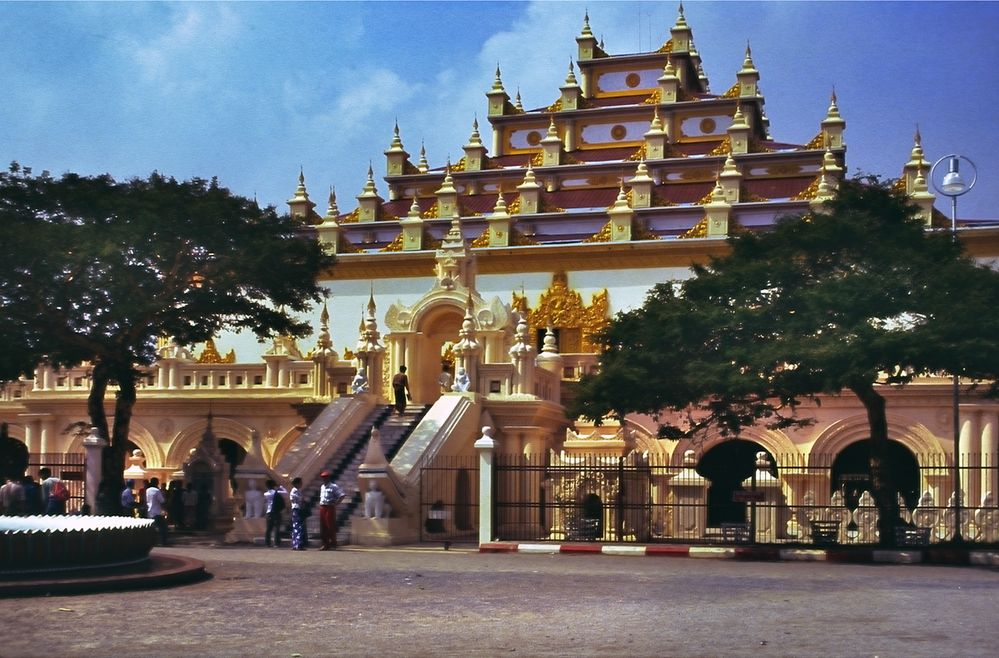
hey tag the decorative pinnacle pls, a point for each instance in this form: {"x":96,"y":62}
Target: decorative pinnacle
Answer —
{"x":570,"y":80}
{"x":586,"y":24}
{"x":333,"y":210}
{"x":680,"y":20}
{"x":518,"y":104}
{"x":498,"y":82}
{"x":747,"y":64}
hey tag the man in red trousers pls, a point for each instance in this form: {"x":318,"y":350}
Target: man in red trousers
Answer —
{"x":330,"y":494}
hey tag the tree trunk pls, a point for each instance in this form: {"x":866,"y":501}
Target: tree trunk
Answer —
{"x":113,"y":456}
{"x":882,"y":480}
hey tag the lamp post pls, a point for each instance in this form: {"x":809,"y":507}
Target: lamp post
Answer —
{"x":953,"y":184}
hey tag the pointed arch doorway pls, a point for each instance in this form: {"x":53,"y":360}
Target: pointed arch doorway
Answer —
{"x":428,"y":351}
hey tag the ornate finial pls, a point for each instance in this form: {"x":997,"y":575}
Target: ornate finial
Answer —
{"x":414,"y":209}
{"x":500,"y":208}
{"x":498,"y":82}
{"x":570,"y":80}
{"x":747,"y":64}
{"x":475,"y":139}
{"x":680,"y":19}
{"x":517,"y":103}
{"x":332,"y":210}
{"x":833,"y":107}
{"x":371,"y":301}
{"x":552,"y":128}
{"x":917,"y":138}
{"x":423,"y":165}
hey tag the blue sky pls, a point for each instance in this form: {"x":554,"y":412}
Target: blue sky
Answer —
{"x":250,"y":92}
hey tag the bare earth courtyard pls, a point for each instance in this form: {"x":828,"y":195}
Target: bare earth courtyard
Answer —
{"x":424,"y":601}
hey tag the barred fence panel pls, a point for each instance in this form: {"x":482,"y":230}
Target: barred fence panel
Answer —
{"x":449,"y":499}
{"x":790,"y":500}
{"x":70,"y":468}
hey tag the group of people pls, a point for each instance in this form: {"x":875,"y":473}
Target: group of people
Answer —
{"x":25,"y":497}
{"x":183,"y":508}
{"x":330,"y":495}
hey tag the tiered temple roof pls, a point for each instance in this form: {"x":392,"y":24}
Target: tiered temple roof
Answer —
{"x":647,"y":121}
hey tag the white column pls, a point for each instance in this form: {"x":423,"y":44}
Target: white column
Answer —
{"x":967,"y":447}
{"x":990,"y":452}
{"x":94,"y":446}
{"x":486,"y":446}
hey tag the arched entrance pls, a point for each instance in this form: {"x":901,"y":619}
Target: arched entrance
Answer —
{"x":726,"y":466}
{"x":430,"y":354}
{"x":851,"y":472}
{"x":591,"y":516}
{"x":234,"y":455}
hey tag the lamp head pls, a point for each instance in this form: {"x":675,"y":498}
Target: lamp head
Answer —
{"x":953,"y":184}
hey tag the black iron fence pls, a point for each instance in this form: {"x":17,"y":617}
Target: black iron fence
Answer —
{"x":787,"y":499}
{"x":449,"y":499}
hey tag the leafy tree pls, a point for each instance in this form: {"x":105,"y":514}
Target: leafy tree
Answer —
{"x":854,"y":298}
{"x":95,"y":270}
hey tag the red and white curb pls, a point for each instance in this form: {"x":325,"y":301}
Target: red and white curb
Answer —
{"x":763,"y":553}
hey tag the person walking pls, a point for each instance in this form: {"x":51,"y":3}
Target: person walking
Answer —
{"x":400,"y":386}
{"x":274,"y":505}
{"x":298,"y":536}
{"x":330,"y":494}
{"x":156,"y":508}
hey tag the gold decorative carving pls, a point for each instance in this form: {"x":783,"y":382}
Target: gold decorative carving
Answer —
{"x":210,"y":355}
{"x":348,"y":354}
{"x":352,"y":217}
{"x":538,"y":159}
{"x":666,"y":47}
{"x":562,"y":308}
{"x":433,"y":212}
{"x":395,"y":245}
{"x":554,"y":107}
{"x":513,"y":208}
{"x":733,"y":91}
{"x":638,"y":155}
{"x":458,"y":166}
{"x":654,"y":97}
{"x":816,"y":143}
{"x":603,"y":235}
{"x":699,"y":230}
{"x":809,"y":192}
{"x":724,"y":148}
{"x":481,"y":241}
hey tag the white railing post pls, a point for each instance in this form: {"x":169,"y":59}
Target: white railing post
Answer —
{"x":486,"y":446}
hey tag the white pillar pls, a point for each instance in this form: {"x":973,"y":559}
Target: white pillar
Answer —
{"x":94,"y":446}
{"x":486,"y":446}
{"x":969,"y":437}
{"x":990,"y":451}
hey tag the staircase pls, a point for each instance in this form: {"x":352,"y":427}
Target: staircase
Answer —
{"x":394,"y":429}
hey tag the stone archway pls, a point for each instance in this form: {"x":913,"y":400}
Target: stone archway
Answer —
{"x":436,"y":328}
{"x":850,"y":472}
{"x":726,"y":465}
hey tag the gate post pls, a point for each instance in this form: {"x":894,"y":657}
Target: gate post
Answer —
{"x":486,"y":446}
{"x":94,"y":445}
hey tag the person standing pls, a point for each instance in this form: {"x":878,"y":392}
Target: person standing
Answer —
{"x":128,"y":499}
{"x":12,"y":498}
{"x":156,"y":508}
{"x":54,"y":492}
{"x":273,"y":507}
{"x":330,"y":494}
{"x":400,"y":386}
{"x":33,"y":503}
{"x":298,"y":537}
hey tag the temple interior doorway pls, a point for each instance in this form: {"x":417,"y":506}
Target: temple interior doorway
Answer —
{"x":851,"y":472}
{"x":437,"y":335}
{"x":726,"y":466}
{"x":234,"y":455}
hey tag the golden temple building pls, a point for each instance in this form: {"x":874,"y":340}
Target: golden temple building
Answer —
{"x":500,"y":267}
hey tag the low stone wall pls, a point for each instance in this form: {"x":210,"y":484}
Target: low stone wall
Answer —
{"x":52,"y":543}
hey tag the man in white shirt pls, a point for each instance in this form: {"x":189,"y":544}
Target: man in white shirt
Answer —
{"x":330,"y":494}
{"x":274,"y":505}
{"x":155,"y":502}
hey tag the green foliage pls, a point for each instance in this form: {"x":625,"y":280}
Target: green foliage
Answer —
{"x":95,"y":269}
{"x":849,"y":298}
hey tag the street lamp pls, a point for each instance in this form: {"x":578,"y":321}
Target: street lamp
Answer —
{"x":953,"y":184}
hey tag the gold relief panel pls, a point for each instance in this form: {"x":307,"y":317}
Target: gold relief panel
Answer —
{"x":695,"y":127}
{"x":524,"y":138}
{"x":616,"y":134}
{"x":562,"y":308}
{"x":627,"y":82}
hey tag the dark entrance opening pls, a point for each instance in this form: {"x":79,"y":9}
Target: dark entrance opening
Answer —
{"x":726,"y":466}
{"x":591,"y":515}
{"x":851,"y":472}
{"x":234,"y":456}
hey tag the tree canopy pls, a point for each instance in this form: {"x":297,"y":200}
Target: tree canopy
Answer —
{"x":95,"y":270}
{"x":852,"y":297}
